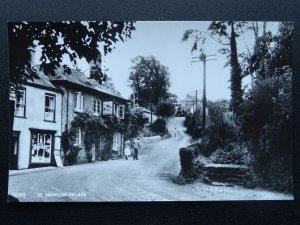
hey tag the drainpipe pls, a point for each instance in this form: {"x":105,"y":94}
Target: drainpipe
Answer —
{"x":61,"y":119}
{"x":67,"y":116}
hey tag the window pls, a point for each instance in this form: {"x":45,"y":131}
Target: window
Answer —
{"x":41,"y":147}
{"x":77,"y":137}
{"x":120,"y":111}
{"x":20,"y":103}
{"x":78,"y":101}
{"x":49,"y":107}
{"x":97,"y":106}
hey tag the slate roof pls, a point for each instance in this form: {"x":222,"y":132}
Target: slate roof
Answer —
{"x":77,"y":77}
{"x":42,"y":81}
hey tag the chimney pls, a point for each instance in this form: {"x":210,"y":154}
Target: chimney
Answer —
{"x":95,"y":66}
{"x":32,"y":52}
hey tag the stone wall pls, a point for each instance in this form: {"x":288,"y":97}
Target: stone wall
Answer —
{"x":149,"y":140}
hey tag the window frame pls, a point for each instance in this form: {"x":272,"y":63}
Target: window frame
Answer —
{"x":54,"y":107}
{"x":78,"y":95}
{"x":120,"y":108}
{"x":77,"y":143}
{"x":97,"y":106}
{"x":24,"y":103}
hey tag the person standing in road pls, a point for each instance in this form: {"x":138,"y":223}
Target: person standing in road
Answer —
{"x":136,"y":148}
{"x":127,"y":149}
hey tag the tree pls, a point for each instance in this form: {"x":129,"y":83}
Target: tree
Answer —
{"x":266,"y":121}
{"x":165,"y":109}
{"x":160,"y":126}
{"x":225,"y":33}
{"x":150,"y":79}
{"x":75,"y":39}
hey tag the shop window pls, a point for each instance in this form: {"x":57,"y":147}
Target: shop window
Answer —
{"x":97,"y":106}
{"x":78,"y":101}
{"x":41,"y":147}
{"x":20,"y":103}
{"x":49,"y":107}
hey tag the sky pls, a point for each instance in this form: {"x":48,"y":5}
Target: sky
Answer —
{"x":163,"y":41}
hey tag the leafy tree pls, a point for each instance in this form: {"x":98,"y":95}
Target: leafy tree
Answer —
{"x":219,"y":128}
{"x":150,"y":79}
{"x":165,"y":109}
{"x":225,"y":33}
{"x":57,"y":39}
{"x":266,"y":121}
{"x":271,"y":54}
{"x":160,"y":126}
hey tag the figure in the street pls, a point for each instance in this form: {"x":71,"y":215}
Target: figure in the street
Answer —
{"x":136,"y":147}
{"x":127,"y":149}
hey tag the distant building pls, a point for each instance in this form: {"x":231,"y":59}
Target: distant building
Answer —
{"x":36,"y":124}
{"x":188,"y":104}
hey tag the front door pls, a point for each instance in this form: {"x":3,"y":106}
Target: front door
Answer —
{"x":14,"y":151}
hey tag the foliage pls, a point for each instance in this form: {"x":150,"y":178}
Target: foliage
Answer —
{"x":147,"y":131}
{"x":220,"y":129}
{"x":70,"y":151}
{"x":134,"y":122}
{"x":272,"y":53}
{"x":225,"y":33}
{"x":193,"y":123}
{"x":165,"y":109}
{"x":160,"y":126}
{"x":261,"y":125}
{"x":58,"y":39}
{"x":234,"y":153}
{"x":150,"y":80}
{"x":267,"y":124}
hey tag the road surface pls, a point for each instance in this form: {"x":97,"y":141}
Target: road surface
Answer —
{"x":146,"y":179}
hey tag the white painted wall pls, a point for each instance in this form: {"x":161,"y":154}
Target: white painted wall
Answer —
{"x":34,"y":118}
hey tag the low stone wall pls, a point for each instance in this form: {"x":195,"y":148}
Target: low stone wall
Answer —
{"x":229,"y":174}
{"x":149,"y":140}
{"x":195,"y":166}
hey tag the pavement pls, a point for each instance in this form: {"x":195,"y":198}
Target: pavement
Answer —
{"x":33,"y":170}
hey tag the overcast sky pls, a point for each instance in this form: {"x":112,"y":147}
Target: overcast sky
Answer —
{"x":163,"y":41}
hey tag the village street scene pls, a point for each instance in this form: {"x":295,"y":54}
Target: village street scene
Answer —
{"x":150,"y":111}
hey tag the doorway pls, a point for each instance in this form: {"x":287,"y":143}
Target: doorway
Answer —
{"x":14,"y":151}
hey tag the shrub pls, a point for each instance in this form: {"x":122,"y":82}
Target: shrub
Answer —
{"x":165,"y":109}
{"x":160,"y":126}
{"x":70,"y":151}
{"x":266,"y":124}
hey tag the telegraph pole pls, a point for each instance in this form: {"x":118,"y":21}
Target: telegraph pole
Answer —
{"x":203,"y":58}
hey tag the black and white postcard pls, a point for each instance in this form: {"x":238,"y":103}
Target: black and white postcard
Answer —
{"x":104,"y":111}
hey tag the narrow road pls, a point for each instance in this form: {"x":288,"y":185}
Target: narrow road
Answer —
{"x":146,"y":179}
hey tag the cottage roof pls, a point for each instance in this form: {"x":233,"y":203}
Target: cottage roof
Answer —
{"x":42,"y":81}
{"x":78,"y":77}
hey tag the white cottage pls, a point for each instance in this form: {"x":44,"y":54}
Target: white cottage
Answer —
{"x":36,"y":124}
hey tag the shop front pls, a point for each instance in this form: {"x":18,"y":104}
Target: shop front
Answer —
{"x":42,"y":148}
